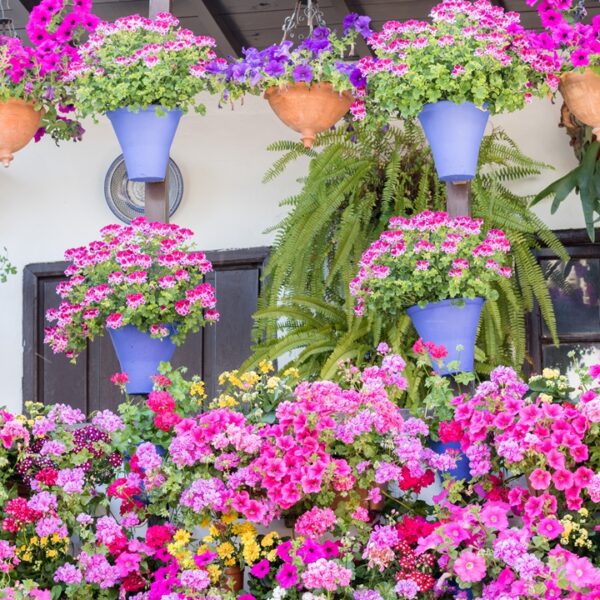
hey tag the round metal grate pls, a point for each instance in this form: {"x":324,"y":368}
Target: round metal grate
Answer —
{"x":126,"y":198}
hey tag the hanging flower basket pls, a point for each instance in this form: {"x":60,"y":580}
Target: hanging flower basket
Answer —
{"x":454,"y":132}
{"x":139,"y":355}
{"x":18,"y":123}
{"x":145,"y":138}
{"x":309,"y":109}
{"x":581,"y":92}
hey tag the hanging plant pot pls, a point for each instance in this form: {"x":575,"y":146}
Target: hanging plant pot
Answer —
{"x":581,"y":92}
{"x":450,"y":323}
{"x":18,"y":123}
{"x":145,"y":139}
{"x":139,"y":355}
{"x":454,"y":132}
{"x":462,"y":470}
{"x":309,"y":109}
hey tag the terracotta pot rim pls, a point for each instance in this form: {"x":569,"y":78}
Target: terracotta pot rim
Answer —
{"x":325,"y":85}
{"x":23,"y":102}
{"x":586,"y":71}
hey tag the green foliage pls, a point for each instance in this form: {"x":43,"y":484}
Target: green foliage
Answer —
{"x":6,"y":268}
{"x":354,"y":185}
{"x":583,"y":180}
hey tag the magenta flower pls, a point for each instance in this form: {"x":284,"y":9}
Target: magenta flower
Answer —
{"x":540,"y":479}
{"x":261,"y":569}
{"x":287,"y":576}
{"x":562,"y":479}
{"x":494,"y":515}
{"x":580,"y":58}
{"x":470,"y":567}
{"x":550,"y":528}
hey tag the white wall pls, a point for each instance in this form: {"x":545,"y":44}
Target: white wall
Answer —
{"x":52,"y":198}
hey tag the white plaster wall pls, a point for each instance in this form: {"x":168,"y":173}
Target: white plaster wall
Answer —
{"x":52,"y":198}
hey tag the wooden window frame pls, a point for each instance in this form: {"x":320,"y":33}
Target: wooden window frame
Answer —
{"x":578,"y":245}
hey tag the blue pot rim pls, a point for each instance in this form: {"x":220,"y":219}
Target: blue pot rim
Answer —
{"x":172,"y":327}
{"x":149,"y":108}
{"x":442,"y":303}
{"x":429,"y":106}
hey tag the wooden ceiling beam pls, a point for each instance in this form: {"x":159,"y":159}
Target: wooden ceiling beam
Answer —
{"x":214,"y":26}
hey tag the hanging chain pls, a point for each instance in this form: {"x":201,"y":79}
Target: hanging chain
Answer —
{"x":6,"y":24}
{"x":306,"y":13}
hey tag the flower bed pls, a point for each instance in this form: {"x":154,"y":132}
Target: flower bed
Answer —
{"x":201,"y":495}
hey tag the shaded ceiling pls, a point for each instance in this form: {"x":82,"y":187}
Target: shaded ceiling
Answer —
{"x":240,"y":23}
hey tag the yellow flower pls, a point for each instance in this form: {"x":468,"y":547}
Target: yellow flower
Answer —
{"x":225,"y":550}
{"x":214,"y":572}
{"x":583,"y":512}
{"x":207,"y":539}
{"x":251,"y":553}
{"x":182,"y":537}
{"x":265,"y":366}
{"x":230,"y":562}
{"x":223,"y":377}
{"x":43,"y":541}
{"x":202,"y":549}
{"x":213,"y":531}
{"x":27,"y":557}
{"x":205,"y":523}
{"x":34,"y":541}
{"x":273,"y":382}
{"x":550,"y":373}
{"x":226,"y":401}
{"x":55,"y":538}
{"x":250,"y":378}
{"x":229,"y":517}
{"x":51,"y":553}
{"x":198,"y":389}
{"x":269,"y":539}
{"x":292,"y":372}
{"x":545,"y":398}
{"x":272,"y":555}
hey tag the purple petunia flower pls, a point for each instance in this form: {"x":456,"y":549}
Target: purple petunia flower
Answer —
{"x":274,"y":68}
{"x":302,"y":73}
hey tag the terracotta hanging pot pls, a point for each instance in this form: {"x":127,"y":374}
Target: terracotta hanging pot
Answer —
{"x":18,"y":123}
{"x":234,"y":579}
{"x":309,"y":109}
{"x":581,"y":92}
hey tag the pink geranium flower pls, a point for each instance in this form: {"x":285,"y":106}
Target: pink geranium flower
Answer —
{"x":540,"y":479}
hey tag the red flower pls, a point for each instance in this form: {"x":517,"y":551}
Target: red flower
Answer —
{"x":450,"y":431}
{"x":419,"y":347}
{"x":165,"y":421}
{"x":157,"y":536}
{"x":160,"y":402}
{"x":120,"y":378}
{"x":133,"y":583}
{"x":47,"y":476}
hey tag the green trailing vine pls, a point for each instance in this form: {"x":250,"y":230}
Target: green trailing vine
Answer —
{"x":6,"y":268}
{"x":357,"y":180}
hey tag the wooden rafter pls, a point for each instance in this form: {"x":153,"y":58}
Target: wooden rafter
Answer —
{"x":214,"y":26}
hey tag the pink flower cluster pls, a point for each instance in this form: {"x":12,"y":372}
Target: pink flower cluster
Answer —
{"x":524,"y":430}
{"x":574,"y":43}
{"x":415,"y":251}
{"x":144,"y":264}
{"x":150,"y":54}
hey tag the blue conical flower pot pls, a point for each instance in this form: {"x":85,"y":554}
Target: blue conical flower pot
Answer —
{"x":145,"y":139}
{"x":462,"y":470}
{"x":139,"y":356}
{"x":454,"y":132}
{"x":448,"y":324}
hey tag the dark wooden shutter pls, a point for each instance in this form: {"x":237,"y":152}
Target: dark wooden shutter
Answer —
{"x":51,"y":378}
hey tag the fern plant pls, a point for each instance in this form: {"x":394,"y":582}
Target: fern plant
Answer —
{"x":358,"y":179}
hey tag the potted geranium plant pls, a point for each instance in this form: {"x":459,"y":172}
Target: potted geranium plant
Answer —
{"x":440,"y":270}
{"x":472,"y":60}
{"x":143,"y":74}
{"x":34,"y":97}
{"x":310,"y":87}
{"x":142,"y":282}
